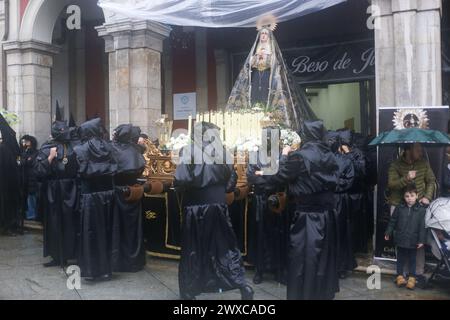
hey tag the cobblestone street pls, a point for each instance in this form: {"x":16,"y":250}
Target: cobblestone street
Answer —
{"x":23,"y":277}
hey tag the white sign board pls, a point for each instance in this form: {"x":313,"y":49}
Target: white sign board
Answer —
{"x":184,"y":105}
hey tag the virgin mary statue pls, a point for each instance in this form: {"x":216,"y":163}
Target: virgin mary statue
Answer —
{"x":265,"y":84}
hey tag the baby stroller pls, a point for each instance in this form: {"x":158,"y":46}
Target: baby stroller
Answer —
{"x":437,"y":220}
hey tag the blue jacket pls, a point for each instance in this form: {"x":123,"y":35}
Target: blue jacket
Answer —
{"x":407,"y":225}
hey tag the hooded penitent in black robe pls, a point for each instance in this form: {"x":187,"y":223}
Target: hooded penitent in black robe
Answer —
{"x":210,"y":258}
{"x":9,"y":179}
{"x":311,"y":174}
{"x":61,"y":216}
{"x":97,"y":166}
{"x":346,"y":177}
{"x":128,"y":252}
{"x":271,"y":229}
{"x":361,"y":214}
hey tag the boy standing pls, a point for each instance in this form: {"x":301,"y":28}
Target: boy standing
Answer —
{"x":407,"y":224}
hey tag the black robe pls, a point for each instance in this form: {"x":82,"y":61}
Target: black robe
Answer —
{"x":344,"y":231}
{"x":128,"y":251}
{"x":311,"y":174}
{"x":9,"y":190}
{"x":61,"y":216}
{"x":361,"y":209}
{"x":271,"y":229}
{"x":210,"y":258}
{"x":10,"y":184}
{"x":97,"y":167}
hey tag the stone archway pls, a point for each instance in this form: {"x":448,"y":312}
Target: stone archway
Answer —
{"x":39,"y":20}
{"x":134,"y":76}
{"x":30,"y":58}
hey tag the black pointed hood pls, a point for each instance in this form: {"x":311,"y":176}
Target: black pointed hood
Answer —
{"x":313,"y":131}
{"x":127,"y":133}
{"x":58,"y":112}
{"x":95,"y":155}
{"x":90,"y":129}
{"x":60,"y":131}
{"x":126,"y":150}
{"x":335,"y":139}
{"x":72,"y":122}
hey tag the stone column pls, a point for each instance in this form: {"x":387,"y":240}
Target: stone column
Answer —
{"x":222,"y":77}
{"x":28,"y":76}
{"x":168,"y":79}
{"x":134,"y":49}
{"x":201,"y":65}
{"x":3,"y":35}
{"x":408,"y":53}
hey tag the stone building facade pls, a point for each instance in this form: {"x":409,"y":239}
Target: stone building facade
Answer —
{"x":121,"y":69}
{"x":408,"y":53}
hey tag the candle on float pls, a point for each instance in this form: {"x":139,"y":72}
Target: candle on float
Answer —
{"x":241,"y":126}
{"x":231,"y":128}
{"x":251,"y":128}
{"x":213,"y":118}
{"x":220,"y":125}
{"x":190,"y":125}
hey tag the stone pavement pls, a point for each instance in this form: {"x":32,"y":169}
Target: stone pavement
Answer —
{"x":23,"y":277}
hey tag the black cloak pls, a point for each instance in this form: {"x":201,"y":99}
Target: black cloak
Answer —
{"x":346,"y":179}
{"x":97,"y":166}
{"x":128,"y":252}
{"x":10,"y":188}
{"x":270,"y":237}
{"x":61,"y":216}
{"x":312,"y":176}
{"x":361,"y":202}
{"x":210,"y":258}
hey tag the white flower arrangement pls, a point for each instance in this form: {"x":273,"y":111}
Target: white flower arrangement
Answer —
{"x":290,"y":138}
{"x":248,"y":144}
{"x":179,"y":142}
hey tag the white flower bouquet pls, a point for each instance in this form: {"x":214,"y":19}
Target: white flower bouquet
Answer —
{"x":178,"y":143}
{"x":290,"y":138}
{"x":248,"y":144}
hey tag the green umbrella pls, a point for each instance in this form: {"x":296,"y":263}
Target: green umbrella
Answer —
{"x":411,"y":135}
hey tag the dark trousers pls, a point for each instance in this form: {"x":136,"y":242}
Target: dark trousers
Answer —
{"x":404,"y":256}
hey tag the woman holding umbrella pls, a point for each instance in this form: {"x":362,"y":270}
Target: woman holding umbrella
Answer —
{"x":409,"y":168}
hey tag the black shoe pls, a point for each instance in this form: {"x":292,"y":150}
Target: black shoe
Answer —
{"x":247,"y":293}
{"x":106,"y":277}
{"x":258,"y":278}
{"x":50,"y":264}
